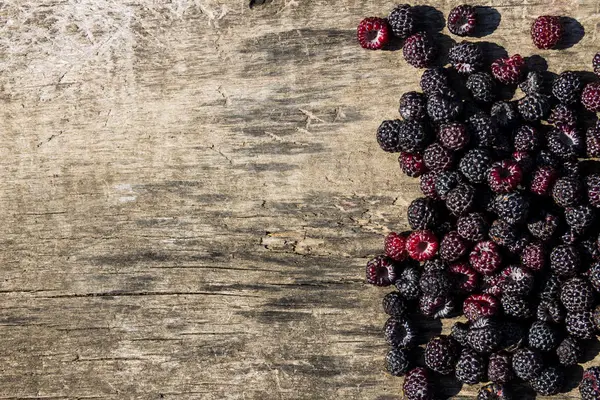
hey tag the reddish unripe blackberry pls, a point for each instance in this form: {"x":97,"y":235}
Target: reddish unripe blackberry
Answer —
{"x":436,"y":307}
{"x":381,"y":271}
{"x":412,"y":164}
{"x":397,"y":361}
{"x":484,"y":335}
{"x":434,"y":283}
{"x":441,"y":354}
{"x":422,"y":245}
{"x":482,"y":87}
{"x":512,"y":207}
{"x":402,"y":21}
{"x":580,"y":217}
{"x":485,"y":257}
{"x":462,"y":20}
{"x":373,"y":33}
{"x":480,"y":305}
{"x":395,"y":246}
{"x":589,"y":388}
{"x":565,"y":260}
{"x":508,"y":70}
{"x":581,"y":325}
{"x":494,"y":391}
{"x":504,"y":176}
{"x":590,"y":97}
{"x":543,"y":180}
{"x":423,"y":213}
{"x":577,"y":295}
{"x":592,"y":185}
{"x":453,"y":136}
{"x":441,"y":108}
{"x":413,"y":137}
{"x":592,"y":142}
{"x":533,"y":256}
{"x":534,"y":107}
{"x":427,"y":185}
{"x":516,"y":306}
{"x":569,"y":351}
{"x":550,"y":382}
{"x":464,"y":278}
{"x":567,"y":192}
{"x":543,"y":336}
{"x":499,"y":367}
{"x":567,"y":87}
{"x":563,"y":117}
{"x":546,"y":31}
{"x":388,"y":135}
{"x":516,"y":281}
{"x":565,"y":143}
{"x":527,"y":363}
{"x":474,"y":165}
{"x":394,"y":304}
{"x":461,"y":199}
{"x":419,"y":50}
{"x":471,"y":367}
{"x":399,"y":332}
{"x":413,"y":106}
{"x":435,"y":81}
{"x":544,"y":226}
{"x":526,"y":138}
{"x":466,"y":57}
{"x":417,"y":386}
{"x":472,"y":227}
{"x":453,"y":246}
{"x":407,"y":283}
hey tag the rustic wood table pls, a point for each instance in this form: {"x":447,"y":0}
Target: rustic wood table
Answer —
{"x":190,"y":191}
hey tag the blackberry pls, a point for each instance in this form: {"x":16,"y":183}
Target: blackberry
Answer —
{"x":569,"y":351}
{"x":453,"y":247}
{"x":484,"y":335}
{"x":579,"y":218}
{"x":465,"y":279}
{"x":461,"y":199}
{"x":581,"y":325}
{"x":543,"y":336}
{"x":470,"y":367}
{"x":434,"y":283}
{"x":550,"y":287}
{"x":577,"y":295}
{"x":516,"y":306}
{"x":550,"y":381}
{"x":493,"y":391}
{"x":462,"y":20}
{"x":596,"y":64}
{"x":544,"y":226}
{"x":507,"y":235}
{"x":427,"y":184}
{"x":565,"y":260}
{"x":533,"y":256}
{"x":571,"y":168}
{"x":592,"y":185}
{"x":423,"y":213}
{"x":590,"y":253}
{"x":516,"y":280}
{"x":453,"y":136}
{"x":399,"y":332}
{"x":527,"y":364}
{"x":593,"y":275}
{"x":485,"y":257}
{"x":435,"y":264}
{"x":567,"y":87}
{"x":504,"y":176}
{"x":441,"y":108}
{"x":419,"y":50}
{"x":381,"y":271}
{"x":435,"y":81}
{"x":408,"y":283}
{"x":473,"y":227}
{"x":397,"y":361}
{"x":483,"y":130}
{"x":546,"y":31}
{"x":466,"y":57}
{"x":569,"y":237}
{"x":446,"y":181}
{"x":482,"y":87}
{"x":412,"y":164}
{"x":436,"y":307}
{"x":526,"y":138}
{"x":513,"y":335}
{"x":564,"y":143}
{"x":388,"y":135}
{"x":512,"y":207}
{"x":474,"y":165}
{"x":499,"y":368}
{"x":412,"y":137}
{"x":534,"y":107}
{"x":477,"y":306}
{"x":508,"y":70}
{"x":504,"y":113}
{"x":394,"y":304}
{"x":402,"y":21}
{"x":592,"y":142}
{"x":567,"y":192}
{"x":441,"y":354}
{"x":563,"y":117}
{"x":416,"y":385}
{"x":590,"y":384}
{"x":459,"y":332}
{"x":533,"y":83}
{"x":550,"y":310}
{"x":395,"y":246}
{"x":413,"y":106}
{"x":596,"y":317}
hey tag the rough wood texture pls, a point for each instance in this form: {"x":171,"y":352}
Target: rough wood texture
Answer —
{"x":190,"y":190}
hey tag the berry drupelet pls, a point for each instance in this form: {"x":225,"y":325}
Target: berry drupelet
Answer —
{"x":499,"y":367}
{"x":472,"y":227}
{"x":526,"y":138}
{"x":569,"y":351}
{"x":419,"y":50}
{"x":546,"y":31}
{"x":543,"y":180}
{"x":413,"y":136}
{"x":407,"y":283}
{"x":462,"y":20}
{"x":580,"y":218}
{"x":504,"y":113}
{"x":461,"y":199}
{"x":483,"y":130}
{"x":442,"y":108}
{"x":581,"y":325}
{"x":592,"y":142}
{"x":427,"y":184}
{"x":423,"y":213}
{"x":437,"y":158}
{"x":480,"y":305}
{"x":394,"y":304}
{"x":592,"y":186}
{"x":402,"y":21}
{"x":534,"y":82}
{"x":485,"y":257}
{"x":464,"y":278}
{"x":533,"y":256}
{"x":512,"y":207}
{"x":567,"y":192}
{"x":484,"y":335}
{"x":453,"y":246}
{"x":563,"y":117}
{"x":475,"y":164}
{"x":565,"y":143}
{"x":565,"y":260}
{"x":534,"y":107}
{"x":577,"y":295}
{"x":543,"y":336}
{"x":543,"y":226}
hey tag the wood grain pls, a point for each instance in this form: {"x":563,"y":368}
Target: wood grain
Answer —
{"x":190,"y":191}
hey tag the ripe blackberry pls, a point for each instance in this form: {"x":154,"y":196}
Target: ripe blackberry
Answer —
{"x":590,"y":384}
{"x":592,"y":142}
{"x":395,"y":246}
{"x":427,"y":185}
{"x":412,"y":137}
{"x":543,"y":180}
{"x":590,"y":97}
{"x":596,"y":63}
{"x":546,"y":31}
{"x":563,"y":117}
{"x":512,"y":207}
{"x":464,"y":278}
{"x":434,"y":283}
{"x":581,"y":325}
{"x":480,"y":305}
{"x":571,"y":168}
{"x":435,"y":264}
{"x":453,"y":247}
{"x":565,"y":260}
{"x":435,"y":81}
{"x":550,"y":310}
{"x":462,"y":20}
{"x":565,"y":143}
{"x":482,"y":87}
{"x":381,"y":271}
{"x":388,"y":135}
{"x":471,"y":367}
{"x":577,"y":295}
{"x":407,"y":283}
{"x":413,"y":106}
{"x":446,"y":181}
{"x":504,"y":176}
{"x":543,"y":226}
{"x":402,"y":21}
{"x":508,"y":70}
{"x":533,"y":83}
{"x":419,"y":50}
{"x":516,"y":280}
{"x":579,"y":217}
{"x":550,"y":382}
{"x":567,"y":192}
{"x":484,"y":335}
{"x":474,"y":165}
{"x":545,"y":158}
{"x":459,"y":332}
{"x":436,"y":307}
{"x":416,"y":385}
{"x":483,"y":130}
{"x":534,"y":107}
{"x":441,"y":354}
{"x":569,"y":237}
{"x":527,"y":363}
{"x":422,"y":245}
{"x":423,"y":213}
{"x":569,"y":351}
{"x":437,"y":158}
{"x":485,"y":257}
{"x":466,"y":57}
{"x":460,"y":200}
{"x":499,"y":368}
{"x":533,"y":256}
{"x":441,"y":108}
{"x":596,"y":317}
{"x":593,"y":274}
{"x":543,"y":336}
{"x":399,"y":332}
{"x":493,"y":391}
{"x":526,"y":138}
{"x":473,"y":227}
{"x":397,"y":361}
{"x":412,"y":164}
{"x":592,"y":185}
{"x":373,"y":33}
{"x":504,"y":113}
{"x":567,"y":87}
{"x":516,"y":306}
{"x":394,"y":304}
{"x":453,"y":136}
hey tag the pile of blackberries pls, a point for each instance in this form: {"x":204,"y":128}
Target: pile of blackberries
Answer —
{"x":507,"y":229}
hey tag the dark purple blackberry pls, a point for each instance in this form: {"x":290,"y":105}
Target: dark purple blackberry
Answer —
{"x":381,"y":271}
{"x":516,"y":306}
{"x":435,"y":264}
{"x":471,"y":367}
{"x":567,"y":192}
{"x":419,"y":50}
{"x":516,"y":280}
{"x":581,"y":325}
{"x":577,"y":295}
{"x":437,"y":158}
{"x":596,"y":63}
{"x":596,"y":317}
{"x":408,"y":283}
{"x":504,"y":113}
{"x":534,"y":107}
{"x":563,"y":117}
{"x":589,"y":251}
{"x":397,"y":361}
{"x":592,"y":142}
{"x":527,"y":363}
{"x":417,"y":386}
{"x":543,"y":336}
{"x":550,"y":381}
{"x":526,"y":138}
{"x":513,"y":335}
{"x":533,"y":256}
{"x":441,"y":108}
{"x":473,"y":227}
{"x":533,"y":83}
{"x":413,"y":105}
{"x":427,"y":185}
{"x":394,"y":304}
{"x":494,"y":391}
{"x":434,"y":283}
{"x":436,"y":307}
{"x":446,"y":181}
{"x":435,"y":81}
{"x":512,"y":207}
{"x":569,"y":351}
{"x":441,"y":354}
{"x":550,"y":287}
{"x":569,"y":237}
{"x":453,"y":247}
{"x":565,"y":260}
{"x":466,"y":57}
{"x":412,"y":164}
{"x":483,"y":130}
{"x":507,"y":235}
{"x":474,"y":165}
{"x":579,"y":217}
{"x":423,"y":213}
{"x":550,"y":310}
{"x":499,"y":368}
{"x":571,"y":168}
{"x":484,"y":335}
{"x":593,"y":274}
{"x":461,"y":199}
{"x":388,"y":135}
{"x":453,"y":136}
{"x":567,"y":87}
{"x":462,"y":20}
{"x":402,"y":21}
{"x":459,"y":332}
{"x":545,"y":158}
{"x":543,"y":226}
{"x":413,"y":137}
{"x":589,"y":388}
{"x":482,"y":87}
{"x":592,"y":185}
{"x":565,"y":143}
{"x":399,"y":332}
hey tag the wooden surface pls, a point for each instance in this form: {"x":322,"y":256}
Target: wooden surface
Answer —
{"x":190,"y":190}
